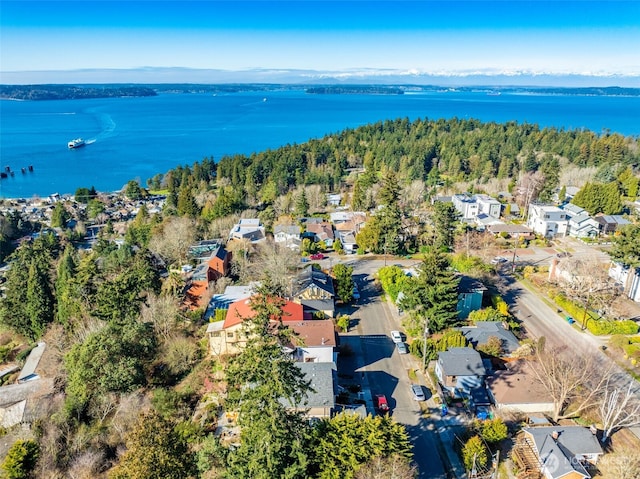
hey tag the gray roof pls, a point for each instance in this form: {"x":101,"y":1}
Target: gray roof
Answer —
{"x":461,"y":362}
{"x":571,"y":442}
{"x":318,"y":304}
{"x":483,"y":330}
{"x":231,"y":294}
{"x":310,"y":276}
{"x":470,"y":285}
{"x":28,"y":372}
{"x":321,"y":377}
{"x":572,"y":209}
{"x":288,"y":229}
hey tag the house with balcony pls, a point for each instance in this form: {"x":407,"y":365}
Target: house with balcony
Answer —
{"x":488,"y":205}
{"x":547,"y":220}
{"x":558,"y":452}
{"x":229,"y":336}
{"x":466,"y":205}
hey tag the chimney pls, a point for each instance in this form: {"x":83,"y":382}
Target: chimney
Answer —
{"x":593,"y":429}
{"x":555,"y":435}
{"x":323,"y":341}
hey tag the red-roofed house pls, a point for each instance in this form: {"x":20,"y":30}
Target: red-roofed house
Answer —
{"x":226,"y":337}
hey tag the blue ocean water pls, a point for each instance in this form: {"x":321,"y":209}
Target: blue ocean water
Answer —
{"x":136,"y":138}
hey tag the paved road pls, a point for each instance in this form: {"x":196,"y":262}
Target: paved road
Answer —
{"x":383,"y":370}
{"x":539,"y":319}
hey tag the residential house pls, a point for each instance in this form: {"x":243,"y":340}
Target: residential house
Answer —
{"x":516,"y":389}
{"x":514,"y":231}
{"x":608,"y":224}
{"x":459,"y":370}
{"x":480,"y":333}
{"x":547,"y":220}
{"x":287,"y":235}
{"x":583,"y":226}
{"x":314,"y":291}
{"x":250,"y":229}
{"x":334,"y":199}
{"x":211,"y":269}
{"x":228,"y":336}
{"x":321,"y":400}
{"x":488,"y":206}
{"x":484,"y":221}
{"x":580,"y":223}
{"x":628,"y":278}
{"x":320,"y":232}
{"x":470,"y":294}
{"x":558,"y":452}
{"x":231,"y":294}
{"x":315,"y":341}
{"x":466,"y":205}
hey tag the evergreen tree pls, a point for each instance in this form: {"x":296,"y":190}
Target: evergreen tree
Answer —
{"x":343,"y":444}
{"x":474,"y":454}
{"x":344,"y":282}
{"x":264,"y":383}
{"x":444,"y":218}
{"x":302,"y":204}
{"x":432,"y":295}
{"x":21,"y":459}
{"x":59,"y":216}
{"x":65,"y":287}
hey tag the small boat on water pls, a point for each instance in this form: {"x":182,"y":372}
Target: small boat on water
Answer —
{"x":77,"y":143}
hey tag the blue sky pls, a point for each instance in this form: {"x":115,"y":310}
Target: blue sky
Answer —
{"x":584,"y":37}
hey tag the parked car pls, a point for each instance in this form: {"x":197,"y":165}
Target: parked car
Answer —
{"x":396,"y":336}
{"x":316,"y":256}
{"x":418,"y":393}
{"x":356,"y":292}
{"x":564,"y":254}
{"x":381,"y":403}
{"x":499,"y":260}
{"x":402,"y":348}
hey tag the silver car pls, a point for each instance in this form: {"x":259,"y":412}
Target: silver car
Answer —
{"x":418,"y":393}
{"x":402,"y":348}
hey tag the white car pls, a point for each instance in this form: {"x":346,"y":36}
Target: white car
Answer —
{"x":498,"y":260}
{"x":418,"y":393}
{"x":396,"y":336}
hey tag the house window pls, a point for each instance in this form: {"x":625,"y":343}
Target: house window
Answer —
{"x":215,"y":334}
{"x":229,"y":334}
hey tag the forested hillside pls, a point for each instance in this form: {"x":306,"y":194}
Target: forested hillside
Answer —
{"x":435,"y":151}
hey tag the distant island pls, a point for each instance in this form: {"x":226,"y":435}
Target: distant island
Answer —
{"x":356,"y":90}
{"x":72,"y":92}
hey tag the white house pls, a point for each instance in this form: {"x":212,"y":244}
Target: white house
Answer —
{"x":628,"y":278}
{"x":248,"y":229}
{"x":488,"y":205}
{"x":547,"y":220}
{"x":466,"y":205}
{"x":287,"y":235}
{"x":583,"y":226}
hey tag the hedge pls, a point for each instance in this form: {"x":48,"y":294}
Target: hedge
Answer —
{"x":601,"y":327}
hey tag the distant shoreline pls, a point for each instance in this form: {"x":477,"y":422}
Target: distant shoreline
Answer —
{"x":79,"y":91}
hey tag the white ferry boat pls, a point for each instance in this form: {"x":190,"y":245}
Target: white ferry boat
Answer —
{"x":77,"y":143}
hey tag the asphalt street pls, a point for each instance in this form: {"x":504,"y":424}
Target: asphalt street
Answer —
{"x":380,"y":369}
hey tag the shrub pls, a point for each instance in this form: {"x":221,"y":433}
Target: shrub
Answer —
{"x":343,"y":323}
{"x":603,"y":327}
{"x":474,"y":450}
{"x":486,"y":314}
{"x":493,"y":430}
{"x":21,"y":459}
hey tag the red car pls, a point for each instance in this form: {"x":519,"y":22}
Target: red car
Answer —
{"x":317,"y":256}
{"x":381,"y":403}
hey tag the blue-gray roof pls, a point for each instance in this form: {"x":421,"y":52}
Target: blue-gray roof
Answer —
{"x":483,"y":330}
{"x":321,"y":377}
{"x":560,"y":452}
{"x":461,"y":362}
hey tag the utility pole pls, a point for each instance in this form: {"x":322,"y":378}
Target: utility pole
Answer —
{"x":424,"y":345}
